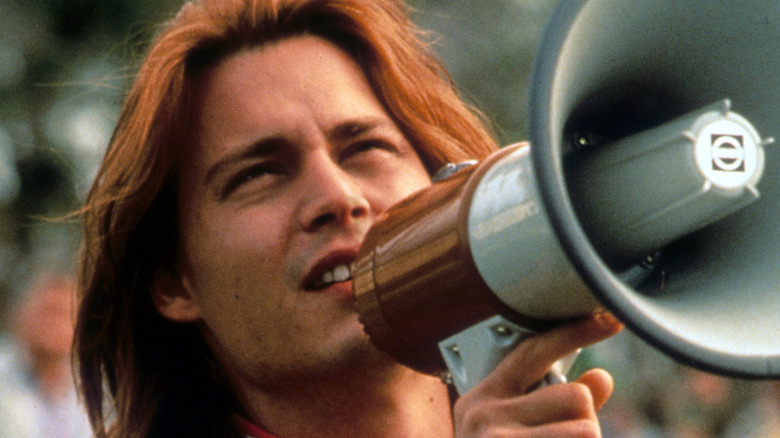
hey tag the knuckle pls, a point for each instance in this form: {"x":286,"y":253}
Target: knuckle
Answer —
{"x":487,"y":419}
{"x":474,"y":418}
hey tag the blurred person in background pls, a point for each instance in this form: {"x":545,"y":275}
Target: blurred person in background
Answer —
{"x":760,"y":418}
{"x":38,"y":396}
{"x":697,"y":404}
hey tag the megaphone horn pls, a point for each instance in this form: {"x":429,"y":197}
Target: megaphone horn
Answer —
{"x":647,"y":190}
{"x":613,"y":69}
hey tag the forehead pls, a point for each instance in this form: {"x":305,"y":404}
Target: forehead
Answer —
{"x":261,"y":89}
{"x":303,"y":63}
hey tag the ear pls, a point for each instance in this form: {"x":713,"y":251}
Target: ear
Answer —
{"x":172,"y":297}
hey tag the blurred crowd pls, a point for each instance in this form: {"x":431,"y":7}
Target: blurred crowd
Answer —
{"x":656,"y":397}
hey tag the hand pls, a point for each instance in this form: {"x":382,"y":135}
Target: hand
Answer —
{"x":501,"y":406}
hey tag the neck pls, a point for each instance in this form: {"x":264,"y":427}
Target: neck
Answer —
{"x":397,"y":402}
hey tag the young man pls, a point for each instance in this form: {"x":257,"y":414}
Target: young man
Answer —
{"x":258,"y":145}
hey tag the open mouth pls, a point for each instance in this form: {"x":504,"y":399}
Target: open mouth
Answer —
{"x":336,"y":274}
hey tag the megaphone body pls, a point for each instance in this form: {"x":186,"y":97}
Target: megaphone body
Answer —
{"x":643,"y":192}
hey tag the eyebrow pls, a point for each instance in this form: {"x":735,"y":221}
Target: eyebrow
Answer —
{"x":354,"y":128}
{"x":346,"y":130}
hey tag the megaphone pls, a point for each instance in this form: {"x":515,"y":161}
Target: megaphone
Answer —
{"x":646,"y":190}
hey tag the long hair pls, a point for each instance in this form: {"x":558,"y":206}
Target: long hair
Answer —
{"x":142,"y":375}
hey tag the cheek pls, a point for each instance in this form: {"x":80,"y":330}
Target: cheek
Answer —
{"x":406,"y":182}
{"x":236,"y":282}
{"x":231,"y":251}
{"x":420,"y":181}
{"x":233,"y":257}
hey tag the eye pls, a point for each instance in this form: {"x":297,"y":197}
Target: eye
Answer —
{"x":259,"y":176}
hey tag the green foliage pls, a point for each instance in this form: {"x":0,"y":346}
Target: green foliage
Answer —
{"x":64,"y":66}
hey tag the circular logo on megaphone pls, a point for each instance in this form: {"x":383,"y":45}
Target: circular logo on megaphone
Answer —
{"x":727,"y":153}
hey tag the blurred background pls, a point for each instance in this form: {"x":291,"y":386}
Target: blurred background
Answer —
{"x":64,"y":68}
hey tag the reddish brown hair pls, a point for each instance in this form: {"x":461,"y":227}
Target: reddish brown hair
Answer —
{"x":159,"y":373}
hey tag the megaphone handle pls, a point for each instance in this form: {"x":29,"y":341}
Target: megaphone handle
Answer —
{"x":473,"y":353}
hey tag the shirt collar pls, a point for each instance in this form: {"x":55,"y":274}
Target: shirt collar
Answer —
{"x":249,"y":429}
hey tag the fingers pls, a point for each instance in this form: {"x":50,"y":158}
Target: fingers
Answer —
{"x":553,"y":411}
{"x":531,"y":360}
{"x":571,"y":428}
{"x":565,"y":402}
{"x":600,"y":384}
{"x":574,"y":428}
{"x":561,"y":402}
{"x":501,"y":405}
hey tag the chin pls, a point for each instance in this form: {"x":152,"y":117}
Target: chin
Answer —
{"x":356,"y":351}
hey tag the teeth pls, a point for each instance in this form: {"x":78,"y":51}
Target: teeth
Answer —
{"x":341,"y":273}
{"x":337,"y":274}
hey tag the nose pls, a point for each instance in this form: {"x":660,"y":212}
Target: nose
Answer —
{"x":332,"y":197}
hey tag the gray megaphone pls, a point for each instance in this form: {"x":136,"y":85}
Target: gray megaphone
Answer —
{"x":650,"y":188}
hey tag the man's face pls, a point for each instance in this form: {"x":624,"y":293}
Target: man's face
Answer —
{"x":292,"y":159}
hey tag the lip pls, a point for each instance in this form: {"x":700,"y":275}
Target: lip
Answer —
{"x":332,"y":258}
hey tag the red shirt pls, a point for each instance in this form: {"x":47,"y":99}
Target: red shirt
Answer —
{"x":249,"y":429}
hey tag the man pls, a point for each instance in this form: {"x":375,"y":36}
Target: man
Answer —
{"x":257,"y":146}
{"x":37,"y":394}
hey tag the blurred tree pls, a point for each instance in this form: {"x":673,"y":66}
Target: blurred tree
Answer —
{"x":63,"y":72}
{"x":489,"y":48}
